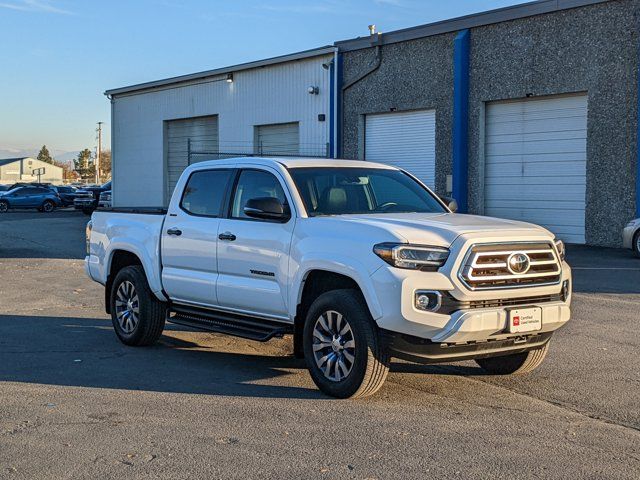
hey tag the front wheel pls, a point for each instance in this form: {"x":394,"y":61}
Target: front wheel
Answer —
{"x":138,"y":317}
{"x":516,"y":364}
{"x":4,"y":206}
{"x":48,"y":206}
{"x":342,"y":346}
{"x":636,"y":243}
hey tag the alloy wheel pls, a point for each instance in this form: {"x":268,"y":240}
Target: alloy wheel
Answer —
{"x":334,"y":345}
{"x":127,"y":307}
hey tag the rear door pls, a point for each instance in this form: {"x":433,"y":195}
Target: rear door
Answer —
{"x":189,"y":238}
{"x":32,"y":197}
{"x":253,"y":254}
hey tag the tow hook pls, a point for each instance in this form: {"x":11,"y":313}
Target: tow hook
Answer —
{"x":518,"y":340}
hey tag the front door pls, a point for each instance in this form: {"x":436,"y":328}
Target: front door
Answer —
{"x":189,"y":238}
{"x":253,"y":255}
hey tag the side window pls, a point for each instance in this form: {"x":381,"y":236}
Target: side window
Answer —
{"x":204,"y":192}
{"x":255,"y":184}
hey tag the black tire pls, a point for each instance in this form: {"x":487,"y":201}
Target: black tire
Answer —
{"x":636,"y":243}
{"x":371,"y":358}
{"x":151,"y":314}
{"x":87,"y":211}
{"x":4,"y":206}
{"x":517,"y":364}
{"x":47,"y":206}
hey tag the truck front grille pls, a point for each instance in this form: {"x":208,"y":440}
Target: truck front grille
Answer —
{"x":510,"y":265}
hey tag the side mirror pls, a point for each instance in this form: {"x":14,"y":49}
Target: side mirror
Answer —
{"x":450,"y":202}
{"x":267,"y":208}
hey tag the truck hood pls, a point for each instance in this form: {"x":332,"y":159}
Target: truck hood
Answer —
{"x":441,"y":228}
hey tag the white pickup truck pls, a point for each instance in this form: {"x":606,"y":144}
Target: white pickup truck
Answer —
{"x":359,"y":261}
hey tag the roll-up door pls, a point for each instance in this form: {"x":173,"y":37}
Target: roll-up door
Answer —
{"x":404,"y":139}
{"x":278,"y":139}
{"x":535,"y":163}
{"x":199,"y":134}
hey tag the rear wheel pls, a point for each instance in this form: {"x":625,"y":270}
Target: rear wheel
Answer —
{"x":48,"y":206}
{"x":517,"y":364}
{"x":342,"y":346}
{"x":4,"y":206}
{"x":636,"y":243}
{"x":138,"y":317}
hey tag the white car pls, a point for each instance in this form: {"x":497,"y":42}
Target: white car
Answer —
{"x":359,"y":261}
{"x":631,"y":236}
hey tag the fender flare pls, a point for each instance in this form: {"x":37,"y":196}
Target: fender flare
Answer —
{"x":342,"y":265}
{"x":151,"y":271}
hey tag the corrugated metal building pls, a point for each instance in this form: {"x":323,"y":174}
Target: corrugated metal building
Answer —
{"x":278,"y":106}
{"x":527,"y":112}
{"x":13,"y":170}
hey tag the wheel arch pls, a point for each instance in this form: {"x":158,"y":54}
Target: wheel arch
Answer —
{"x":118,"y":259}
{"x":314,"y":283}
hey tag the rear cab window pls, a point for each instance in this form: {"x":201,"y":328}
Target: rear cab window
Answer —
{"x":204,"y":192}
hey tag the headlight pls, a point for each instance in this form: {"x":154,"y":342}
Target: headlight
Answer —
{"x":414,"y":257}
{"x":560,"y":248}
{"x":87,"y":234}
{"x":632,"y":223}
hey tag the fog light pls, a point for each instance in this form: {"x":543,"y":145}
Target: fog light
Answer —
{"x":428,"y":300}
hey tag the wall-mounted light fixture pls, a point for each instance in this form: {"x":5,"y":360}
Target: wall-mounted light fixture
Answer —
{"x":229,"y":77}
{"x":313,"y":90}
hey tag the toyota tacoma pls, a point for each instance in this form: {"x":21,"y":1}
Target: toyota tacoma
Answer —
{"x":359,"y":262}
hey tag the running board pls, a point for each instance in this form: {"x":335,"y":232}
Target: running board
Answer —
{"x":251,"y":328}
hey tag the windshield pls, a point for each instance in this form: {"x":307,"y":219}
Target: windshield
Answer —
{"x":342,"y":191}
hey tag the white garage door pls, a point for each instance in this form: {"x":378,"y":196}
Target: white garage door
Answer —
{"x":404,"y":139}
{"x":201,"y":133}
{"x":535,"y":163}
{"x":277,"y":139}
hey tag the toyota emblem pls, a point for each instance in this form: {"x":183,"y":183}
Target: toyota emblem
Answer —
{"x":518,"y":263}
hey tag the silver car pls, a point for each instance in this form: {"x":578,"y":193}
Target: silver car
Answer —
{"x":631,"y":236}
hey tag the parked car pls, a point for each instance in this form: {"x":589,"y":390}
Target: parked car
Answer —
{"x":44,"y":199}
{"x":67,"y":194}
{"x":631,"y":236}
{"x":359,"y":261}
{"x":29,"y":184}
{"x":87,"y":198}
{"x":105,"y":199}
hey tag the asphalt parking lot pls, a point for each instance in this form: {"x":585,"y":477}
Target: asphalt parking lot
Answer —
{"x":75,"y":403}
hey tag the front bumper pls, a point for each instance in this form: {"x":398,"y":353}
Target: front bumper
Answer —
{"x":470,"y":322}
{"x":419,"y":350}
{"x":80,"y":203}
{"x":627,"y":236}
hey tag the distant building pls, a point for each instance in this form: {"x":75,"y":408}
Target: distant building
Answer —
{"x":14,"y":170}
{"x":277,"y":106}
{"x":528,"y":112}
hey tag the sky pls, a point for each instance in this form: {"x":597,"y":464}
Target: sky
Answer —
{"x":57,"y":57}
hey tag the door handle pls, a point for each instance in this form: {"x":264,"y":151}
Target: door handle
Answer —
{"x":227,"y":236}
{"x":174,"y":231}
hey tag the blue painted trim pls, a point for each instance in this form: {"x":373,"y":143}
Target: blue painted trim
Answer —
{"x":332,"y":96}
{"x":339,"y":107}
{"x":638,"y":144}
{"x":461,"y":120}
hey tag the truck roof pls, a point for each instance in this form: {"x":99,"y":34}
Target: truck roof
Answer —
{"x":297,"y":162}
